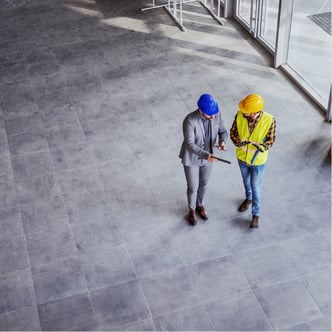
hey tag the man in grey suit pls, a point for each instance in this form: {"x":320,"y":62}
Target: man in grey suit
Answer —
{"x":202,"y":130}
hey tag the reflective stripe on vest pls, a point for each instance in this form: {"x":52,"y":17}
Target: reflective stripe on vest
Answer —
{"x":246,"y":153}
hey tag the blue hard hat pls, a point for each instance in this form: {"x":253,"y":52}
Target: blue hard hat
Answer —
{"x":207,"y":104}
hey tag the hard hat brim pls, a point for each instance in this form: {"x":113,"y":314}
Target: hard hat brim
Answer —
{"x":242,"y":107}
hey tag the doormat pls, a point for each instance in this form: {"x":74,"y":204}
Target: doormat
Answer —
{"x":323,"y":20}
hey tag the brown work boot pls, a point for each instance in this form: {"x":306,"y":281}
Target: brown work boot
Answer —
{"x":192,"y":217}
{"x":254,"y":222}
{"x":245,"y":205}
{"x":202,"y":212}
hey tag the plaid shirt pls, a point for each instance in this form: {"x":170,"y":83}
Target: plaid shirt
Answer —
{"x":270,"y":136}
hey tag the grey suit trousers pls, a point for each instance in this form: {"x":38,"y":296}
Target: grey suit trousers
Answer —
{"x":197,"y":180}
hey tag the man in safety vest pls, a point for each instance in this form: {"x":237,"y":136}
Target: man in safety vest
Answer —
{"x":253,"y":133}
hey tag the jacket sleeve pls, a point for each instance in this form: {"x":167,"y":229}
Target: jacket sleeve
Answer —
{"x":189,"y":134}
{"x":222,"y":133}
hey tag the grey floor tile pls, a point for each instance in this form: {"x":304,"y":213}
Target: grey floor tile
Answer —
{"x":32,"y":225}
{"x":97,"y":109}
{"x":10,"y":223}
{"x":58,"y":37}
{"x":87,"y":207}
{"x":51,"y":95}
{"x":309,"y":253}
{"x":12,"y":52}
{"x":71,"y":156}
{"x":199,"y":244}
{"x":323,"y":324}
{"x":152,"y":220}
{"x":108,"y":268}
{"x":169,"y":292}
{"x":238,"y":236}
{"x":70,"y":314}
{"x":135,"y":195}
{"x":13,"y":72}
{"x":13,"y":255}
{"x":32,"y":164}
{"x":51,"y":245}
{"x":140,"y":325}
{"x":68,"y":134}
{"x":67,"y":54}
{"x":34,"y":40}
{"x":5,"y":166}
{"x":288,"y":304}
{"x":96,"y":235}
{"x":4,"y":149}
{"x":304,"y":220}
{"x":300,"y":225}
{"x":76,"y":181}
{"x":8,"y":195}
{"x":100,"y":128}
{"x":150,"y":246}
{"x":155,"y":258}
{"x":105,"y":150}
{"x":217,"y":278}
{"x":27,"y":143}
{"x":192,"y":319}
{"x":18,"y":100}
{"x":58,"y":116}
{"x":119,"y":305}
{"x":43,"y":68}
{"x":238,"y":312}
{"x":170,"y":186}
{"x":23,"y":319}
{"x":21,"y":125}
{"x":58,"y":280}
{"x":40,"y":198}
{"x":16,"y":291}
{"x":265,"y":266}
{"x":84,"y":86}
{"x":84,"y":195}
{"x":116,"y":176}
{"x":319,"y":286}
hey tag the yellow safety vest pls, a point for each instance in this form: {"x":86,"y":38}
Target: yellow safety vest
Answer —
{"x":248,"y":153}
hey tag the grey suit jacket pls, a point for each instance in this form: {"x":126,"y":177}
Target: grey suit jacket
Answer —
{"x":192,"y":150}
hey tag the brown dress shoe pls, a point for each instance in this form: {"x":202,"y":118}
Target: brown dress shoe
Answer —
{"x":254,"y":222}
{"x":192,"y":217}
{"x":202,"y":212}
{"x":245,"y":205}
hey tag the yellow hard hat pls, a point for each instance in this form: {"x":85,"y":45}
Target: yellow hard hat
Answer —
{"x":251,"y":104}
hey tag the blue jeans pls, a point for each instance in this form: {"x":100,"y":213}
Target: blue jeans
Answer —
{"x":252,"y":177}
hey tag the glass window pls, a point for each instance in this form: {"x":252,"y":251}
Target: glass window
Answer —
{"x":269,"y":22}
{"x":260,"y":17}
{"x":245,"y":10}
{"x":309,"y":52}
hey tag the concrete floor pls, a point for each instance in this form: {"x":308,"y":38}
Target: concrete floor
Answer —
{"x":93,"y":231}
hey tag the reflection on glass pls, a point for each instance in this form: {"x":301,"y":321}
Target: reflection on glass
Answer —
{"x":310,"y":45}
{"x":244,"y":10}
{"x":269,"y":21}
{"x":266,"y":24}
